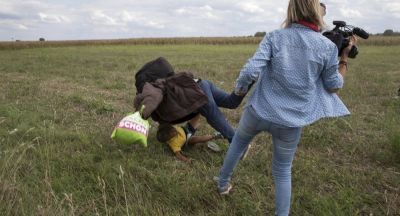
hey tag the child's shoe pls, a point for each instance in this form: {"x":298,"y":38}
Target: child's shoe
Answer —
{"x":213,"y":146}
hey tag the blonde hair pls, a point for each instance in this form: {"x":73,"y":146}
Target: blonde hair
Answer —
{"x":307,"y":10}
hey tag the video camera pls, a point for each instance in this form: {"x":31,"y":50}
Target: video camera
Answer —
{"x":341,"y":34}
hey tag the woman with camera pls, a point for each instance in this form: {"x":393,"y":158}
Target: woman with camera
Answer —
{"x":297,"y":73}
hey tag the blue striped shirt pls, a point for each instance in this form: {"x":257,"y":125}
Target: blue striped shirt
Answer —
{"x":294,"y":68}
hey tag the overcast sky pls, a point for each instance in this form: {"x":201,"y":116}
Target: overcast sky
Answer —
{"x":109,"y":19}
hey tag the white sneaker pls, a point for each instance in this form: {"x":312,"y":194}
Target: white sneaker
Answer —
{"x":213,"y":146}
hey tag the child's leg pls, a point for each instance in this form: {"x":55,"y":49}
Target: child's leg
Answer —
{"x":195,"y":122}
{"x":200,"y":139}
{"x":191,"y":126}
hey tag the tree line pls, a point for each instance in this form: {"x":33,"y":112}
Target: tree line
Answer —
{"x":387,"y":32}
{"x":390,"y":32}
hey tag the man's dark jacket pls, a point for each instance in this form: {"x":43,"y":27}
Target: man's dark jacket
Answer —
{"x":173,"y":100}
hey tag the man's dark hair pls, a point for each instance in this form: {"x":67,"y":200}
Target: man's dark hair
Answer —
{"x":156,"y":69}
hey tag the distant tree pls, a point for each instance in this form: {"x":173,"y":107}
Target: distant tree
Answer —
{"x":260,"y":34}
{"x":17,"y":40}
{"x":388,"y":32}
{"x":41,"y":39}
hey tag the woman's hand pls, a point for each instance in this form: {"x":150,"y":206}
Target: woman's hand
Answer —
{"x":346,"y":51}
{"x":241,"y":91}
{"x":344,"y":58}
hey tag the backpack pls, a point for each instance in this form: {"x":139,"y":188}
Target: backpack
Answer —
{"x":131,"y":130}
{"x":151,"y":71}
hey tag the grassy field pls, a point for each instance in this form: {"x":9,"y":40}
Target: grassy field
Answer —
{"x":372,"y":40}
{"x":58,"y":106}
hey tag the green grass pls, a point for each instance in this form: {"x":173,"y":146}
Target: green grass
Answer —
{"x":58,"y":107}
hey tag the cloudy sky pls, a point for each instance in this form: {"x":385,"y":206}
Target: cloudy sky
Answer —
{"x":109,"y":19}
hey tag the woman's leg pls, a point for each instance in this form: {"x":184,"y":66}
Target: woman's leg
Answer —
{"x":247,"y":129}
{"x":285,"y":141}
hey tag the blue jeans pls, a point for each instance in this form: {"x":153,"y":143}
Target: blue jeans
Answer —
{"x":218,"y":98}
{"x":284,"y":141}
